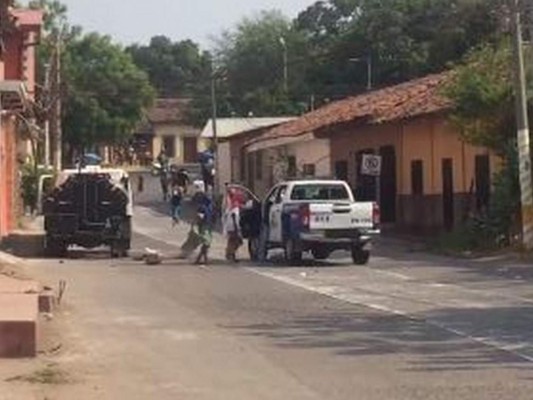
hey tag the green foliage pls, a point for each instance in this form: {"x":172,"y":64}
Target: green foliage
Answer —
{"x":482,"y":91}
{"x":175,"y":69}
{"x":106,"y":92}
{"x":252,"y":57}
{"x":404,"y":38}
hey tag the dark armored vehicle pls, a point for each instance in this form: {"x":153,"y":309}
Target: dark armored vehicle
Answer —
{"x":89,"y":207}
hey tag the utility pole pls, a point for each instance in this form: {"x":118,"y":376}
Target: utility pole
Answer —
{"x":369,"y":73}
{"x":46,"y":103}
{"x":55,"y":120}
{"x":285,"y":65}
{"x":368,"y":61}
{"x":214,"y":127}
{"x":523,"y":140}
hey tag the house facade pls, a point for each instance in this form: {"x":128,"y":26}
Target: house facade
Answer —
{"x":172,"y":133}
{"x":430,"y":180}
{"x":19,"y":30}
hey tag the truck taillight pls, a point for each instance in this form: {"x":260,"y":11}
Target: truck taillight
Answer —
{"x":305,"y":215}
{"x":376,"y":214}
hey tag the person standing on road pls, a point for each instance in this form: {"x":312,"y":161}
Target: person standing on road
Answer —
{"x":204,"y":226}
{"x":232,"y":224}
{"x":183,"y":180}
{"x":175,"y":203}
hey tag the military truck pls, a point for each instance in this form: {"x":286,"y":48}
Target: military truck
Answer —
{"x":88,"y":207}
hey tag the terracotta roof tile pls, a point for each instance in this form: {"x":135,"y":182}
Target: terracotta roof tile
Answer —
{"x":168,"y":111}
{"x":406,"y":100}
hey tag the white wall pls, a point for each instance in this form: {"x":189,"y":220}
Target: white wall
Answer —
{"x":317,"y":152}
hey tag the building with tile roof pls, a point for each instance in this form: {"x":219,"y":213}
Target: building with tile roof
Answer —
{"x":430,"y":179}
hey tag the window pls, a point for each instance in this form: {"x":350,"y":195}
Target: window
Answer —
{"x":309,"y":169}
{"x":259,"y":165}
{"x":291,"y":166}
{"x":417,"y":177}
{"x":320,"y":192}
{"x":281,"y":194}
{"x":169,"y":146}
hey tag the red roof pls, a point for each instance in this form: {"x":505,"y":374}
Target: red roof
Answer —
{"x":410,"y":99}
{"x":168,"y":111}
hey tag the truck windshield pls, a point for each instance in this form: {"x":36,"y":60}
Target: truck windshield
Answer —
{"x":320,"y":192}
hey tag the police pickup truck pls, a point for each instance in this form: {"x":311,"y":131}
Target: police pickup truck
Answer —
{"x":317,"y":216}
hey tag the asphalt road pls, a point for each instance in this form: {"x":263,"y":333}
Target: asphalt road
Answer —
{"x":408,"y":326}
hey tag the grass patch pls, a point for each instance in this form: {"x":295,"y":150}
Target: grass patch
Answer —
{"x":49,"y":375}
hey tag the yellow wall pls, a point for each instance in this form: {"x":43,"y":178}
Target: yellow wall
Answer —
{"x":179,"y":132}
{"x":433,"y":139}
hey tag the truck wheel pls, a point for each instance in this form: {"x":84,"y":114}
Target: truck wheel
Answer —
{"x":292,"y":254}
{"x":55,"y":247}
{"x":320,"y":254}
{"x":360,"y":256}
{"x":119,"y":248}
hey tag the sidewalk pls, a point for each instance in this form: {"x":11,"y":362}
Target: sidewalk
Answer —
{"x":21,"y":301}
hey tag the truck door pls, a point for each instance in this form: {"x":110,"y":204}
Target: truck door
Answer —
{"x":276,"y":226}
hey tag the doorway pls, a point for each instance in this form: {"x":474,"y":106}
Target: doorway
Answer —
{"x":365,"y":185}
{"x":388,"y":191}
{"x":448,"y":194}
{"x":190,"y":150}
{"x":341,"y":170}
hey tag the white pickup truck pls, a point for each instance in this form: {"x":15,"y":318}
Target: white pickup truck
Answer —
{"x":319,"y":216}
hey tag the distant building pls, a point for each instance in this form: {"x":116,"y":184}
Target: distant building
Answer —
{"x":166,"y":128}
{"x":431,"y":179}
{"x":229,"y":130}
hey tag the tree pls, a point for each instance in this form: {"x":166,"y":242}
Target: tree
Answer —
{"x":106,"y":92}
{"x":252,"y":56}
{"x":482,"y":91}
{"x":174,"y":68}
{"x":405,"y":39}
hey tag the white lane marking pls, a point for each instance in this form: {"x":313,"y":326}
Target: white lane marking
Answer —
{"x":339,"y":293}
{"x":393,"y":274}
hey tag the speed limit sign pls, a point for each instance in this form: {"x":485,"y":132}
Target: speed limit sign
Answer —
{"x":371,"y":165}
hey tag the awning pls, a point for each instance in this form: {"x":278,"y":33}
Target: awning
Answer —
{"x":13,"y":96}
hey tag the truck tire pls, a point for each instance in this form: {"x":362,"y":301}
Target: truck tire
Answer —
{"x":360,"y":256}
{"x":55,"y":247}
{"x":119,"y":248}
{"x":292,"y":254}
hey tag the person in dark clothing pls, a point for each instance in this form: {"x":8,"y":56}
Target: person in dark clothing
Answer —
{"x":207,"y":164}
{"x":182,"y":179}
{"x":204,"y":228}
{"x":175,"y":203}
{"x":163,"y":179}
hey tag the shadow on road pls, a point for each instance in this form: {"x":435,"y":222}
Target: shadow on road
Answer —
{"x":426,"y":346}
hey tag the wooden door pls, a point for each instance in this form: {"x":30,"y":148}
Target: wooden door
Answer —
{"x":190,"y":150}
{"x":448,"y":194}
